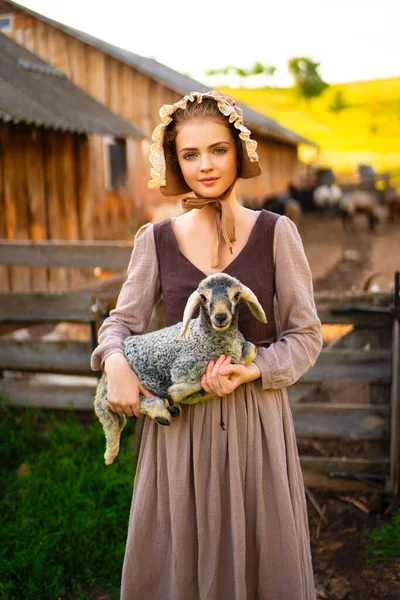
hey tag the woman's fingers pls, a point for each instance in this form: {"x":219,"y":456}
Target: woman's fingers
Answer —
{"x":123,"y":409}
{"x":205,"y":380}
{"x":128,"y":411}
{"x":114,"y":406}
{"x":223,"y":370}
{"x":145,"y":392}
{"x":213,"y":380}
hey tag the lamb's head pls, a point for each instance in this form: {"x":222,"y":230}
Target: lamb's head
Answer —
{"x":219,"y":295}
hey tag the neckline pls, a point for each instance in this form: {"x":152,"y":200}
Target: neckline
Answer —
{"x":249,"y":239}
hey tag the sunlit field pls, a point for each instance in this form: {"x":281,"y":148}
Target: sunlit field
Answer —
{"x":367,"y":130}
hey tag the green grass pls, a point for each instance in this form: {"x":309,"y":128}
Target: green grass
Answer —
{"x":63,"y":514}
{"x":367,"y":130}
{"x":385,"y":541}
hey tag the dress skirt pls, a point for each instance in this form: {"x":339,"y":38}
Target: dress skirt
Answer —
{"x":220,"y":514}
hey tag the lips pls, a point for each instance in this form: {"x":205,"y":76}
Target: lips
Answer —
{"x":209,"y":179}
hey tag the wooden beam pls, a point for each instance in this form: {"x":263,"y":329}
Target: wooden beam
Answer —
{"x":36,"y":197}
{"x":64,"y":356}
{"x":81,"y":254}
{"x":351,"y":366}
{"x":358,"y":319}
{"x":316,"y":471}
{"x":348,"y":421}
{"x":4,"y":271}
{"x":84,"y":190}
{"x":68,"y":306}
{"x":57,"y":276}
{"x":77,"y":394}
{"x":16,"y":208}
{"x":395,"y":415}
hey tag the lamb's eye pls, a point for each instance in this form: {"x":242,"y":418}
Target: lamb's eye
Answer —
{"x":236,"y":296}
{"x":202,"y":296}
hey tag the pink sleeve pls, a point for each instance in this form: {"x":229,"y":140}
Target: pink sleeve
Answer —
{"x":300,"y":341}
{"x":137,"y":298}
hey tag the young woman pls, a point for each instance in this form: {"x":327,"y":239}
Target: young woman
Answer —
{"x":218,"y":511}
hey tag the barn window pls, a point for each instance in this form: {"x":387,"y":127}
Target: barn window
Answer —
{"x":115,"y":163}
{"x":6,"y":22}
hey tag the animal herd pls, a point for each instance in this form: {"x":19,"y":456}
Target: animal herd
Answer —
{"x":347,"y":204}
{"x":334,"y":201}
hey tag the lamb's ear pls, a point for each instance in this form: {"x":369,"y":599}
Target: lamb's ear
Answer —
{"x":254,"y":305}
{"x":191,"y":305}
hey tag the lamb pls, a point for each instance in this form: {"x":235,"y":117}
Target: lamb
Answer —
{"x":362,"y":201}
{"x":170,"y":362}
{"x":327,"y":197}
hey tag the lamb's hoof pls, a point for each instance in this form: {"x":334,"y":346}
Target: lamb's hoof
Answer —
{"x":175,"y":411}
{"x":109,"y":458}
{"x":162,"y":421}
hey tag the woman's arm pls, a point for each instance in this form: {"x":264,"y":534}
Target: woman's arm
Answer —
{"x":300,"y":342}
{"x":139,"y":294}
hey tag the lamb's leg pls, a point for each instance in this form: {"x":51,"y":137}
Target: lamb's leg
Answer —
{"x":113,"y":423}
{"x":156,"y":408}
{"x":201,"y":396}
{"x":249,"y":352}
{"x":179,"y":391}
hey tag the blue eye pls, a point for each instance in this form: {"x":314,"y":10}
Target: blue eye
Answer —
{"x":219,"y":150}
{"x":189,"y":156}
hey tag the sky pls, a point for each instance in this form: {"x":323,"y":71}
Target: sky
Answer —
{"x":353,"y":40}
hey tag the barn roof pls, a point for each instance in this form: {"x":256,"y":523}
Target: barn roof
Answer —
{"x":34,"y":92}
{"x":182,"y":84}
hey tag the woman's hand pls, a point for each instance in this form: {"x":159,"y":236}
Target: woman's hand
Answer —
{"x":222,"y":377}
{"x":123,"y":386}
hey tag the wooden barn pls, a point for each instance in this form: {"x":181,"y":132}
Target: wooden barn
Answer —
{"x":135,"y":87}
{"x":45,"y":173}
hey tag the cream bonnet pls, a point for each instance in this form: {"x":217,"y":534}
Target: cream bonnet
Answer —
{"x":166,"y":174}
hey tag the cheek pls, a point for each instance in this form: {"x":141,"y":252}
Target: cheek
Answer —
{"x":188,"y":168}
{"x":229,"y":162}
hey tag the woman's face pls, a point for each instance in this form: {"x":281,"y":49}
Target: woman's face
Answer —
{"x":207,"y":157}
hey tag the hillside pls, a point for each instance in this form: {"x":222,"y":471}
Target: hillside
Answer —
{"x":366,"y":131}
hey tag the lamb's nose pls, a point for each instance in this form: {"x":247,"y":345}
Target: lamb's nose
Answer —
{"x":220,"y":317}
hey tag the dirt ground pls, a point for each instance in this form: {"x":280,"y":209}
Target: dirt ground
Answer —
{"x":340,"y":522}
{"x":342,"y":260}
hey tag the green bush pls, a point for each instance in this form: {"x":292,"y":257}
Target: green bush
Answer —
{"x":63,"y":513}
{"x":385,"y":541}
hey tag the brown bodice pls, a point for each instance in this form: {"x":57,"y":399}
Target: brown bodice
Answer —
{"x":253,"y":266}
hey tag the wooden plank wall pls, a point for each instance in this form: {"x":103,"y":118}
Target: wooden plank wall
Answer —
{"x":136,"y":98}
{"x":44,"y":194}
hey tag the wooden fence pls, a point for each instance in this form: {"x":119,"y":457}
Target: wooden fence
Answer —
{"x":346,"y":409}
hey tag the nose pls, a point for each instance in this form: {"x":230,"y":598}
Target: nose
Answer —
{"x":206,"y":163}
{"x":220,"y":317}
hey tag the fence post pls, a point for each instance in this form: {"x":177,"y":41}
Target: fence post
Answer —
{"x":395,"y":394}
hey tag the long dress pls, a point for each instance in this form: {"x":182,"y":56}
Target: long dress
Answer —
{"x":220,"y":514}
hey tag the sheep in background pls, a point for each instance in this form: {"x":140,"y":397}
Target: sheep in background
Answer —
{"x":171,"y":362}
{"x":327,"y":197}
{"x":362,"y":201}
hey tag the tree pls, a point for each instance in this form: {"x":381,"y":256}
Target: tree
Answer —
{"x":308,"y":82}
{"x":257,"y":69}
{"x":338,"y":103}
